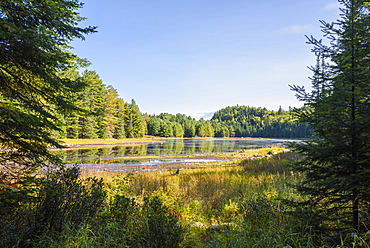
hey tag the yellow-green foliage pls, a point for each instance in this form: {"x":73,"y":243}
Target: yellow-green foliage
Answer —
{"x":236,"y":205}
{"x":224,"y":204}
{"x":234,"y":200}
{"x":214,"y":187}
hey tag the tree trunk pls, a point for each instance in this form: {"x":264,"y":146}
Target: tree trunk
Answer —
{"x":355,"y":211}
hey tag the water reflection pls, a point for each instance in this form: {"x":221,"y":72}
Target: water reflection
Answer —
{"x":118,"y":155}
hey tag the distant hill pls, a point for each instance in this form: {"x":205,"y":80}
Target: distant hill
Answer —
{"x":245,"y":121}
{"x":236,"y":121}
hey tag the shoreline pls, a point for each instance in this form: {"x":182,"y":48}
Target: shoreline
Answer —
{"x":75,"y":143}
{"x":91,"y":143}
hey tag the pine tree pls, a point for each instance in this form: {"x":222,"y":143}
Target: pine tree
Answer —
{"x":109,"y":114}
{"x":34,"y":37}
{"x":178,"y":131}
{"x":87,"y":123}
{"x":134,"y":122}
{"x":71,"y":118}
{"x":336,"y":160}
{"x":119,"y":131}
{"x":92,"y":100}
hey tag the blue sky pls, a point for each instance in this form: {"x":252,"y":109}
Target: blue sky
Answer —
{"x":197,"y":56}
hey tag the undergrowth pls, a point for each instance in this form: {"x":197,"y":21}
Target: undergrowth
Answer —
{"x":220,"y":206}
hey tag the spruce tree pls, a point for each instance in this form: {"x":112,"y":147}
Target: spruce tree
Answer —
{"x":336,"y":160}
{"x":134,"y":122}
{"x":91,"y":99}
{"x":119,"y":131}
{"x":34,"y":40}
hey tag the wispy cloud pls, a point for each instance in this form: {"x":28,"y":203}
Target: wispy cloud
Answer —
{"x":331,"y":6}
{"x":296,"y":29}
{"x":206,"y":116}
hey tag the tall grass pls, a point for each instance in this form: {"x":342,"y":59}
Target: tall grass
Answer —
{"x":229,"y":206}
{"x":234,"y":205}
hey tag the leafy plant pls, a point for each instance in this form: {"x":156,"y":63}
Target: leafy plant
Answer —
{"x":163,"y":229}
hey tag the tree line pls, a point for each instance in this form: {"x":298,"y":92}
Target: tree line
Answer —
{"x":244,"y":121}
{"x":236,"y":121}
{"x":103,"y":114}
{"x":43,"y":98}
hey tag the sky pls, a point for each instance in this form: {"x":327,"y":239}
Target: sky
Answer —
{"x":195,"y":57}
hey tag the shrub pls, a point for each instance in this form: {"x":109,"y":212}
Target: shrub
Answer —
{"x":66,"y":197}
{"x":163,"y":229}
{"x":59,"y":197}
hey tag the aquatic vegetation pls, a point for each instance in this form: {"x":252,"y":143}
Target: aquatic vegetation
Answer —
{"x":234,"y":204}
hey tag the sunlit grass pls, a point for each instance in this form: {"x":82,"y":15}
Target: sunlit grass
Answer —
{"x":236,"y":203}
{"x":241,"y":200}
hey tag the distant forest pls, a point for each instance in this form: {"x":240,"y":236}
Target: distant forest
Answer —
{"x":236,"y":121}
{"x":103,"y":114}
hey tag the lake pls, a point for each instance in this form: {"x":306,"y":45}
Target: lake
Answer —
{"x":144,"y":156}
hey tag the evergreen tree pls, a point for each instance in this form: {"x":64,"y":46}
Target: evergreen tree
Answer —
{"x":109,"y":115}
{"x":119,"y":131}
{"x":134,"y":122}
{"x":189,"y":128}
{"x":87,"y":124}
{"x":166,"y":129}
{"x":70,"y":119}
{"x":336,"y":159}
{"x":34,"y":36}
{"x":244,"y":121}
{"x":205,"y":129}
{"x":167,"y":125}
{"x":92,"y":100}
{"x":154,"y":126}
{"x":103,"y":112}
{"x":178,"y":131}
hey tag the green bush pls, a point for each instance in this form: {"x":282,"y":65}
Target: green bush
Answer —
{"x":163,"y":229}
{"x":42,"y":208}
{"x":15,"y":214}
{"x":66,"y":197}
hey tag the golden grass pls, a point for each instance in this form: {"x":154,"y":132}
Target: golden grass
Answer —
{"x":240,"y":198}
{"x":212,"y":194}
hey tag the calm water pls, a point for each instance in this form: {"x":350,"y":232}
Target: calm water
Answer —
{"x":123,"y":157}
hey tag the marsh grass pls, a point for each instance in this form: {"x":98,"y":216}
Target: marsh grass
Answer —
{"x":237,"y":205}
{"x":232,"y":204}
